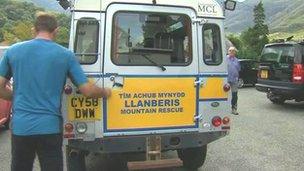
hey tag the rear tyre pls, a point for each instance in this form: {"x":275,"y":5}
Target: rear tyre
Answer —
{"x":193,"y":158}
{"x":276,"y":99}
{"x":75,"y":159}
{"x":240,"y":83}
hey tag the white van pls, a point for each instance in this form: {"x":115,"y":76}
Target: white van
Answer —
{"x":165,"y":62}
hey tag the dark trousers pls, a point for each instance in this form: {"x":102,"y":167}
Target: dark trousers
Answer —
{"x":47,"y":147}
{"x":234,"y":100}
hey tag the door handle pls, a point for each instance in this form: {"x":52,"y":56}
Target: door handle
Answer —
{"x":117,"y":80}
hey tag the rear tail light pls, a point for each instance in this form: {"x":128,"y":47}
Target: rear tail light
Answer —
{"x":68,"y":127}
{"x":226,"y":120}
{"x":68,"y":89}
{"x":217,"y":121}
{"x":226,"y":87}
{"x":298,"y":73}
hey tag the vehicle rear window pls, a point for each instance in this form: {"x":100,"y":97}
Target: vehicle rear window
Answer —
{"x":212,"y":44}
{"x":146,"y":38}
{"x":86,"y":40}
{"x":279,"y":54}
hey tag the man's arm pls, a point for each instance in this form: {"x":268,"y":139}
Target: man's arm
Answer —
{"x":86,"y":87}
{"x":91,"y":90}
{"x":5,"y":92}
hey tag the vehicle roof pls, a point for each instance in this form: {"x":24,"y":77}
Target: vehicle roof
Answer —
{"x":198,"y":5}
{"x":281,"y":43}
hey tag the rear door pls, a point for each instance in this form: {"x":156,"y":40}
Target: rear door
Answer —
{"x":87,"y":30}
{"x":213,"y":100}
{"x":150,"y":61}
{"x":277,"y":62}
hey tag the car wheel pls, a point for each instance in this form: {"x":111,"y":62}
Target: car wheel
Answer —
{"x":240,"y":83}
{"x":193,"y":158}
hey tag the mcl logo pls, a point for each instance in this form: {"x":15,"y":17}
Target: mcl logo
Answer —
{"x":207,"y":8}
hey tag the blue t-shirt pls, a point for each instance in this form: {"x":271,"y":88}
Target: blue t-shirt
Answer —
{"x":39,"y":68}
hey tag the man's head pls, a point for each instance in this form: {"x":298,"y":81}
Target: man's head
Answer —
{"x":45,"y":23}
{"x":232,"y":51}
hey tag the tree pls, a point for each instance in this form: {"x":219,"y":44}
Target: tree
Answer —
{"x":16,"y":21}
{"x":63,"y":36}
{"x":235,"y":40}
{"x":3,"y":20}
{"x":23,"y":30}
{"x":254,"y":38}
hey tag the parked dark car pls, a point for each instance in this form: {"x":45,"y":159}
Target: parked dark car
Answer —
{"x":248,"y":73}
{"x":281,"y":72}
{"x":5,"y":106}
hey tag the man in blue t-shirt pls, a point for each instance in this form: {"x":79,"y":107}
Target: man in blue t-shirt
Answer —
{"x":40,"y":68}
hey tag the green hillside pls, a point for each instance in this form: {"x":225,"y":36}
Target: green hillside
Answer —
{"x":50,"y":5}
{"x":284,"y":17}
{"x":16,"y":22}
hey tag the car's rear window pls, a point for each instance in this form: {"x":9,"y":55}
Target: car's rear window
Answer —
{"x":278,"y":53}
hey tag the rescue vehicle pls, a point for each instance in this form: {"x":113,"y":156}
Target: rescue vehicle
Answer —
{"x":165,"y":62}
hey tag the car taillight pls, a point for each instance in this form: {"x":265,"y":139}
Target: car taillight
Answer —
{"x":298,"y":73}
{"x":217,"y":121}
{"x":226,"y":120}
{"x":68,"y":89}
{"x":226,"y":87}
{"x":68,"y":127}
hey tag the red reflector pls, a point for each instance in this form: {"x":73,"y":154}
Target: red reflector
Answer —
{"x":68,"y":127}
{"x":298,"y":73}
{"x":226,"y":120}
{"x":217,"y":121}
{"x":226,"y":87}
{"x":68,"y":89}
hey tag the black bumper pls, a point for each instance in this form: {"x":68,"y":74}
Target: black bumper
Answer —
{"x":138,"y":143}
{"x":287,"y":89}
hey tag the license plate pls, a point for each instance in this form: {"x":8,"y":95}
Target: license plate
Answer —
{"x":264,"y":74}
{"x":83,"y":108}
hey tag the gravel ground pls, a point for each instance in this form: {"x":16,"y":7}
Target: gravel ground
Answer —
{"x":263,"y":137}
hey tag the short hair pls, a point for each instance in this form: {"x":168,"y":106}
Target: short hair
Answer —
{"x":45,"y":22}
{"x":232,"y":49}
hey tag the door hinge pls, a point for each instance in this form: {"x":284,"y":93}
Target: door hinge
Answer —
{"x":199,"y":82}
{"x":198,"y":117}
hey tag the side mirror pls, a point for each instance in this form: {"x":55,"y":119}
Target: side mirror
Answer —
{"x":230,"y":5}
